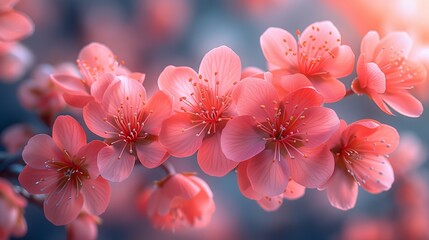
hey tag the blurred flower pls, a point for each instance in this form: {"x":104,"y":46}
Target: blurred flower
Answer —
{"x":64,"y":167}
{"x":318,"y":55}
{"x":178,"y":201}
{"x":84,"y":227}
{"x":15,"y":137}
{"x":281,"y":137}
{"x":203,"y":105}
{"x":12,"y":221}
{"x":15,"y":60}
{"x":365,"y":228}
{"x":360,"y":151}
{"x":131,"y":124}
{"x":14,"y":25}
{"x":385,"y":73}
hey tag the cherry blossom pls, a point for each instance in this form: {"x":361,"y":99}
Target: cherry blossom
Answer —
{"x":130,"y":125}
{"x":360,"y":151}
{"x":385,"y":73}
{"x":318,"y":55}
{"x":12,"y":221}
{"x":203,"y":106}
{"x":16,"y":136}
{"x":15,"y":60}
{"x":14,"y":25}
{"x":63,"y":167}
{"x":281,"y":137}
{"x":84,"y":227}
{"x":178,"y":201}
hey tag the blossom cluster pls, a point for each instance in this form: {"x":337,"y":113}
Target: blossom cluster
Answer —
{"x":271,"y":126}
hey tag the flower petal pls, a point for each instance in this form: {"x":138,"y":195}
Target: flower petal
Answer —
{"x":115,"y":165}
{"x":244,"y":183}
{"x":404,"y":103}
{"x":70,"y":84}
{"x":369,"y":43}
{"x":68,"y":134}
{"x":293,"y":190}
{"x":342,"y":189}
{"x":96,"y":119}
{"x":38,"y":181}
{"x":180,"y":136}
{"x":63,"y":206}
{"x":342,"y":64}
{"x":99,"y":87}
{"x":270,"y":204}
{"x":288,"y":83}
{"x":90,"y":152}
{"x":40,"y":149}
{"x":268,"y":176}
{"x":399,"y":42}
{"x":176,"y":81}
{"x":160,"y":107}
{"x":95,"y":59}
{"x":15,"y":26}
{"x":319,"y":34}
{"x":221,"y":66}
{"x":96,"y":193}
{"x":241,"y":140}
{"x":7,"y":5}
{"x":278,"y":46}
{"x":373,"y":78}
{"x":315,"y":169}
{"x":254,"y":97}
{"x":211,"y":158}
{"x":151,"y":154}
{"x":331,"y":89}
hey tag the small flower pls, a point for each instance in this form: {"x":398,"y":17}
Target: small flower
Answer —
{"x":84,"y":227}
{"x":130,"y":124}
{"x":15,"y":137}
{"x":64,"y":168}
{"x":14,"y":25}
{"x":15,"y":60}
{"x":203,"y":106}
{"x":385,"y":73}
{"x":178,"y":201}
{"x":318,"y":55}
{"x":281,"y":137}
{"x":360,"y":151}
{"x":12,"y":221}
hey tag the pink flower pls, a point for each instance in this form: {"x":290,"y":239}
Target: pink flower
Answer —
{"x":293,"y":190}
{"x":281,"y":137}
{"x":14,"y":25}
{"x":12,"y":221}
{"x":178,"y":201}
{"x":98,"y":67}
{"x":410,"y":154}
{"x":203,"y":106}
{"x":131,"y":125}
{"x":318,"y":55}
{"x":64,"y":168}
{"x":15,"y":137}
{"x":360,"y":151}
{"x":15,"y":60}
{"x":385,"y":73}
{"x":84,"y":227}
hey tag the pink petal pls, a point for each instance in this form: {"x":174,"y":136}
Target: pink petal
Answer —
{"x":176,"y":81}
{"x":302,"y":99}
{"x":404,"y":103}
{"x":94,"y":117}
{"x":342,"y":189}
{"x":63,"y":206}
{"x":40,"y":149}
{"x":90,"y":153}
{"x":96,"y":193}
{"x":320,"y":34}
{"x":211,"y":158}
{"x":395,"y":41}
{"x":373,"y":78}
{"x":38,"y":181}
{"x":112,"y":167}
{"x":99,"y":87}
{"x":68,"y":134}
{"x":221,"y":65}
{"x":321,"y":123}
{"x":369,"y":43}
{"x":293,"y":190}
{"x":275,"y":43}
{"x":342,"y":64}
{"x":315,"y":169}
{"x":14,"y":26}
{"x":241,"y":140}
{"x":151,"y":154}
{"x":286,"y":84}
{"x":379,"y":139}
{"x":270,"y":204}
{"x":160,"y":107}
{"x":139,"y":77}
{"x":180,"y":136}
{"x":123,"y":94}
{"x":255,"y":97}
{"x":244,"y":183}
{"x":96,"y":58}
{"x":267,"y":175}
{"x":374,"y":172}
{"x":379,"y":101}
{"x":250,"y":71}
{"x":78,"y":101}
{"x":7,"y":5}
{"x":70,"y":84}
{"x":331,"y":89}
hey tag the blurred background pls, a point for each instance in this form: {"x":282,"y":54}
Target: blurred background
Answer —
{"x":148,"y":35}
